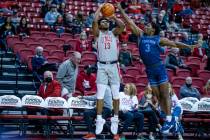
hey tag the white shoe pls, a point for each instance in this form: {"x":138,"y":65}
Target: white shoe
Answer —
{"x":180,"y":137}
{"x":151,"y":137}
{"x":99,"y":125}
{"x":114,"y":125}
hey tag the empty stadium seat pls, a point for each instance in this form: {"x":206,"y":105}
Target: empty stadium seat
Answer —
{"x":183,"y":73}
{"x":128,"y":79}
{"x":204,"y":74}
{"x":178,"y":81}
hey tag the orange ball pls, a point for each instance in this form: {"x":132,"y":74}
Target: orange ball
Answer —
{"x":107,"y":10}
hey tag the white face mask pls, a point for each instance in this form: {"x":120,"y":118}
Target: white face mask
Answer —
{"x":149,"y":96}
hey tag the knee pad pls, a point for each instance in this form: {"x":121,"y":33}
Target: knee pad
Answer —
{"x":115,"y":91}
{"x":101,"y":89}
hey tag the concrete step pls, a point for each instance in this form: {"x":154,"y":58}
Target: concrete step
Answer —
{"x":20,"y":92}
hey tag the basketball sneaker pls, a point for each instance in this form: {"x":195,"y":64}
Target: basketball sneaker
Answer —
{"x":114,"y":125}
{"x":99,"y":125}
{"x":89,"y":137}
{"x":167,"y":126}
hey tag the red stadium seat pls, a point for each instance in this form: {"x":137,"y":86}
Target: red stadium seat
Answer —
{"x":58,"y":41}
{"x":50,"y":35}
{"x":57,"y":53}
{"x":88,"y":54}
{"x":142,"y":79}
{"x":178,"y":80}
{"x":198,"y":82}
{"x":176,"y":90}
{"x":140,"y":87}
{"x":24,"y":53}
{"x":50,"y":47}
{"x":133,"y":71}
{"x":195,"y":67}
{"x":194,"y":59}
{"x":128,"y":79}
{"x":43,"y":40}
{"x":182,"y":73}
{"x":73,"y":43}
{"x":204,"y":74}
{"x":88,"y":61}
{"x":54,"y":59}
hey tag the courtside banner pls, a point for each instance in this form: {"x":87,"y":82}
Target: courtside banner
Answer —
{"x":10,"y":100}
{"x":206,"y":99}
{"x":33,"y":100}
{"x":201,"y":106}
{"x":186,"y":105}
{"x":75,"y":102}
{"x":56,"y":102}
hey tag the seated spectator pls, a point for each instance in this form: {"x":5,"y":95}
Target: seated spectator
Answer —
{"x":198,"y":51}
{"x":90,"y":114}
{"x":67,"y":74}
{"x":5,"y":30}
{"x":206,"y":88}
{"x":59,"y":26}
{"x":23,"y":29}
{"x":40,"y":64}
{"x":207,"y":56}
{"x":46,"y":8}
{"x":187,"y":90}
{"x":78,"y":23}
{"x":51,"y":16}
{"x":50,"y":87}
{"x":186,"y":51}
{"x":173,"y":27}
{"x":15,"y":19}
{"x":148,"y":105}
{"x":68,"y":22}
{"x":174,"y":61}
{"x":84,"y":44}
{"x":61,"y":8}
{"x":124,"y":36}
{"x":176,"y":110}
{"x":125,"y":56}
{"x":201,"y":41}
{"x":161,"y":23}
{"x":86,"y":81}
{"x":129,"y":110}
{"x":89,"y":19}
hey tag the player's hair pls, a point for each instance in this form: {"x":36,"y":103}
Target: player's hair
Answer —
{"x":156,"y":28}
{"x":103,"y":18}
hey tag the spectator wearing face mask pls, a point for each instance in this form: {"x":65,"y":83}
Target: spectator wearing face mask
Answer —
{"x":50,"y":87}
{"x":84,"y":44}
{"x":187,"y":90}
{"x":86,"y":81}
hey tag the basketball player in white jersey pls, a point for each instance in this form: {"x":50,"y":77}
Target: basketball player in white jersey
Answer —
{"x":108,"y":68}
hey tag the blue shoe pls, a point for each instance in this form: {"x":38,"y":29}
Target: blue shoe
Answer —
{"x":167,"y":126}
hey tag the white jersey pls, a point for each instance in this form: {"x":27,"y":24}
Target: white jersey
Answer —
{"x":107,"y":47}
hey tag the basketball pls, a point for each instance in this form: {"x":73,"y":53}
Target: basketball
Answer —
{"x":107,"y":10}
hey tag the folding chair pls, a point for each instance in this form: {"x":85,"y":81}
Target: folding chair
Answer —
{"x":11,"y":112}
{"x":58,"y":104}
{"x":34,"y":107}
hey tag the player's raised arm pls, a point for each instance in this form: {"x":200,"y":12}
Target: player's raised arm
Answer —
{"x":95,"y":22}
{"x":120,"y":26}
{"x":135,"y":29}
{"x":167,"y":42}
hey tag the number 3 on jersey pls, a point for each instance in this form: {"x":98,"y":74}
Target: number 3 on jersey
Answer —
{"x":147,"y":49}
{"x":107,"y":45}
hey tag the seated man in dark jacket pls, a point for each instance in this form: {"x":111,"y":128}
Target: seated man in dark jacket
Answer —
{"x":174,"y":61}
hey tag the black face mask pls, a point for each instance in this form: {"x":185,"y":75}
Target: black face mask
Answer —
{"x":188,"y":85}
{"x":89,"y":71}
{"x":48,"y":79}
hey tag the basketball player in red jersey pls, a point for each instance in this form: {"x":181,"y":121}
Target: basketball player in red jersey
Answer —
{"x":108,"y":67}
